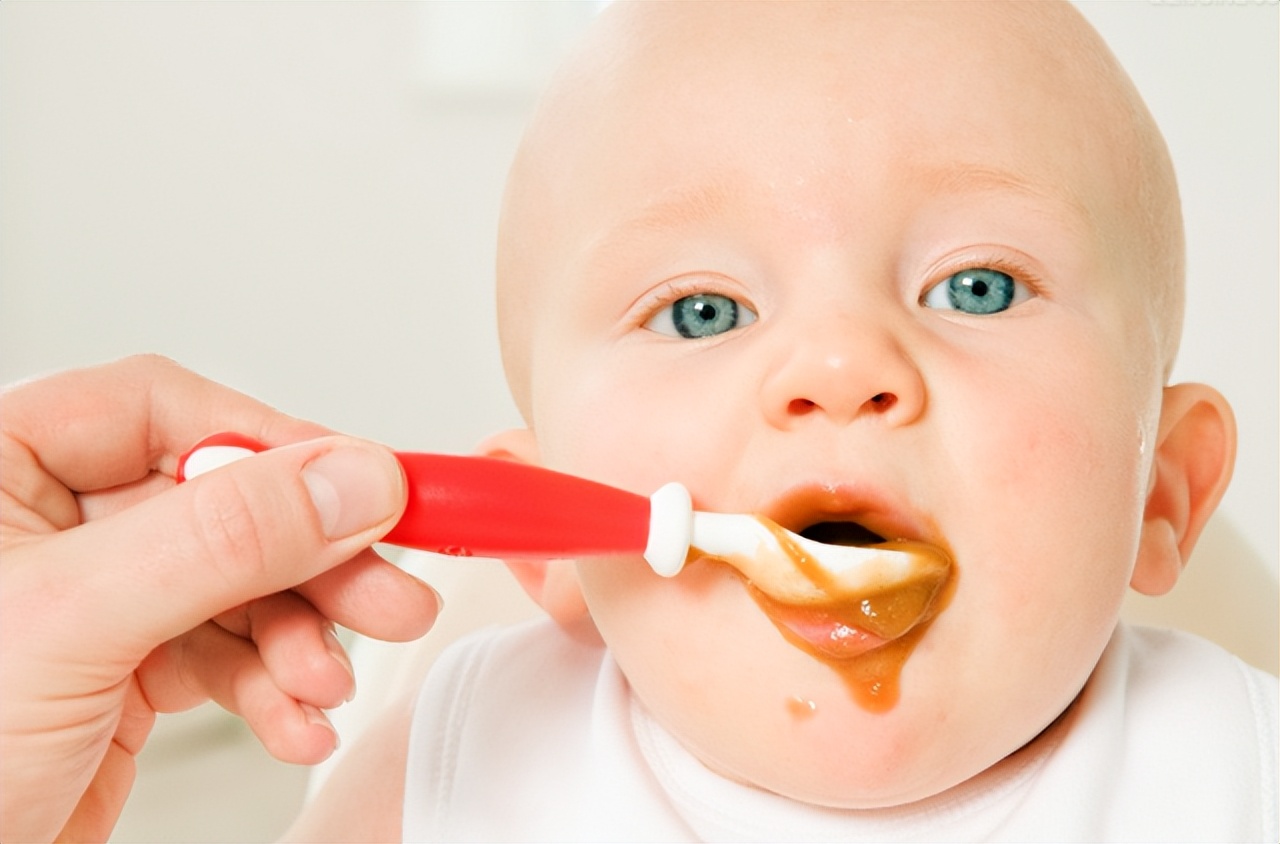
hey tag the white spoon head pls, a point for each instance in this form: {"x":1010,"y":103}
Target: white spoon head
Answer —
{"x":792,"y":569}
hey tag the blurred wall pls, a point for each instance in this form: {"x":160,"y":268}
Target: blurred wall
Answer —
{"x":297,"y":199}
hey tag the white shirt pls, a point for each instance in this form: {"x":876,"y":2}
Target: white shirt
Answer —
{"x":525,"y":734}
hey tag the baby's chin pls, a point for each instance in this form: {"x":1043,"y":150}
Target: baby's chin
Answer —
{"x":714,"y":670}
{"x":757,"y":709}
{"x":824,"y":750}
{"x":827,"y":774}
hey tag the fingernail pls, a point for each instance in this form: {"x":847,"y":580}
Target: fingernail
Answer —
{"x":339,"y":654}
{"x":353,"y":489}
{"x":439,"y":597}
{"x":316,"y":716}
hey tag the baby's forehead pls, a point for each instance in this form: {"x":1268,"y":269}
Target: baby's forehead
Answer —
{"x":820,"y":109}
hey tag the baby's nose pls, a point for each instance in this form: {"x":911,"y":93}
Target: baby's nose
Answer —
{"x":843,"y":370}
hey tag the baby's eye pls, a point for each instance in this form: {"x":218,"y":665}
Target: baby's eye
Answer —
{"x":700,"y":315}
{"x":978,"y":290}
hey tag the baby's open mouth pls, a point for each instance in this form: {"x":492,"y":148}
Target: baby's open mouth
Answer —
{"x":841,"y":533}
{"x":835,"y":563}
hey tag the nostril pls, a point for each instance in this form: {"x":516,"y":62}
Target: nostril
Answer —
{"x":799,"y":407}
{"x":884,"y":401}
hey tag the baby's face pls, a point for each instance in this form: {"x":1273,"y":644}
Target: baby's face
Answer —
{"x":860,"y":268}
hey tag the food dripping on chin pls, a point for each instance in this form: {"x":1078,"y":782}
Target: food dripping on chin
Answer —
{"x":864,"y":620}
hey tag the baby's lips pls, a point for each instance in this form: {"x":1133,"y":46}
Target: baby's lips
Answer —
{"x":872,"y":507}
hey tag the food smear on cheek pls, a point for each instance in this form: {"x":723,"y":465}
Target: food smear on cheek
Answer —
{"x":866,"y":633}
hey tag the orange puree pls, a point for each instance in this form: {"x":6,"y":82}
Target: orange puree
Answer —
{"x":864,"y":634}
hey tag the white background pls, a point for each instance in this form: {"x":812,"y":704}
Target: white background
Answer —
{"x":300,"y":200}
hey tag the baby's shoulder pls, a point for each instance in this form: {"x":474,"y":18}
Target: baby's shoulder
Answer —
{"x":503,"y":718}
{"x":535,"y":662}
{"x":1178,"y":671}
{"x":1191,"y":732}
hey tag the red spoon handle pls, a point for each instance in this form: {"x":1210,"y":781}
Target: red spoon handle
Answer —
{"x":478,"y":506}
{"x":482,"y":507}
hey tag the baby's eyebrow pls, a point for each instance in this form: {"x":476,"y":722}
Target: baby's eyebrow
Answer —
{"x":676,"y":208}
{"x":680,"y":207}
{"x":962,"y":178}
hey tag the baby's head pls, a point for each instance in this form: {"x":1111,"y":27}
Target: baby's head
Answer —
{"x":917,"y":267}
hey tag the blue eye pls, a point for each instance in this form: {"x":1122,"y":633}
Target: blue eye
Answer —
{"x":977,"y":291}
{"x":700,"y":315}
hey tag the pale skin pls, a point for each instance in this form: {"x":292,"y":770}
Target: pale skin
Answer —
{"x":825,"y":169}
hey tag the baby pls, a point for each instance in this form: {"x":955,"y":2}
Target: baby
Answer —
{"x":914,"y":267}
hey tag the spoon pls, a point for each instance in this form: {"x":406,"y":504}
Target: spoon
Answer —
{"x":484,"y":507}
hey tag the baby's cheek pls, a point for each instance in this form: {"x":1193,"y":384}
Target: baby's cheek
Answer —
{"x":593,"y":432}
{"x":1061,"y":546}
{"x":1063,"y":438}
{"x":618,"y":427}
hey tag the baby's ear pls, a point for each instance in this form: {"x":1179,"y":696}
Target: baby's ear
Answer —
{"x":1194,"y":457}
{"x":552,"y":584}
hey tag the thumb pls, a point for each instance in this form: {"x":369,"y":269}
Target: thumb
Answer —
{"x":146,"y":574}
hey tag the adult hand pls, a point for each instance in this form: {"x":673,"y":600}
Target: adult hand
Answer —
{"x":124,"y":595}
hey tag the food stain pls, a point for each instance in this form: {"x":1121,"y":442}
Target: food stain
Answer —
{"x":801,"y":708}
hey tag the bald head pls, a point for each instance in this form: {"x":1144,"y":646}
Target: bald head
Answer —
{"x":686,"y":105}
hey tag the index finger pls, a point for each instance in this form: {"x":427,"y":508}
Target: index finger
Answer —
{"x":105,"y":426}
